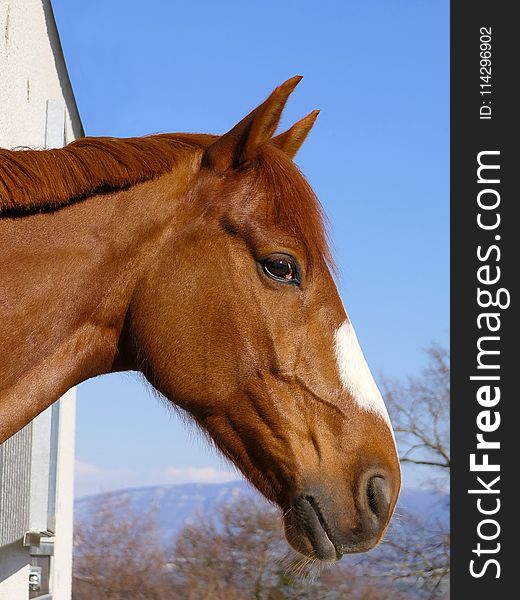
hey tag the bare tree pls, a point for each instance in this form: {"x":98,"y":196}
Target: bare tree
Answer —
{"x":236,"y":548}
{"x":238,"y":553}
{"x":241,"y":548}
{"x":420,"y":410}
{"x":117,"y":555}
{"x":417,"y":548}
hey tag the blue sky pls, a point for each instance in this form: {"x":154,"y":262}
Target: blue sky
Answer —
{"x":378,"y":158}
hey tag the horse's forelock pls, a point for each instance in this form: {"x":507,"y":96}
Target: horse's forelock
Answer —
{"x":292,"y":205}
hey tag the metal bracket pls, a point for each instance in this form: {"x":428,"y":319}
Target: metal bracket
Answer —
{"x":55,"y":126}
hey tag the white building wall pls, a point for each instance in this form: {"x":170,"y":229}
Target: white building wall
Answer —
{"x":37,"y":110}
{"x":32,"y":70}
{"x":61,"y":582}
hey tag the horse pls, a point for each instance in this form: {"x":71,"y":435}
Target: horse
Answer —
{"x":202,"y":262}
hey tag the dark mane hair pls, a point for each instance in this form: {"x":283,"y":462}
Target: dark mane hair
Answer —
{"x":40,"y":180}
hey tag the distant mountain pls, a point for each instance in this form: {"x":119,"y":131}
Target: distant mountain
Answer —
{"x":174,"y":505}
{"x":178,"y":505}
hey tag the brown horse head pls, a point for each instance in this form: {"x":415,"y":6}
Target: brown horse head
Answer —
{"x":239,"y":322}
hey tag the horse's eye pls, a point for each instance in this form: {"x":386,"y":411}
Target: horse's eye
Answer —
{"x":281,"y":269}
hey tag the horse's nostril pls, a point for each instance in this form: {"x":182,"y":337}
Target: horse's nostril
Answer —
{"x":378,"y":496}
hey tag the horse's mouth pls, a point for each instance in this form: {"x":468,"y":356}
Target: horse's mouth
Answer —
{"x":310,"y":522}
{"x":311,"y":533}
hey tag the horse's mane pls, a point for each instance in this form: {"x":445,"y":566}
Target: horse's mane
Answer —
{"x":41,"y":180}
{"x":44,"y":180}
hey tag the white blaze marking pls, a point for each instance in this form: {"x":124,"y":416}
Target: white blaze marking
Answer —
{"x":355,"y":374}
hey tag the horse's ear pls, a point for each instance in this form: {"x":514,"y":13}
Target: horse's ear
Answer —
{"x":291,"y":140}
{"x":239,"y":145}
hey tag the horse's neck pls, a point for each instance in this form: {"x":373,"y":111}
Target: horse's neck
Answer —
{"x":67,"y":280}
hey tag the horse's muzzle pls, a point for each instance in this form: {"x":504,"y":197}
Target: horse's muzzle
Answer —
{"x":316,"y":528}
